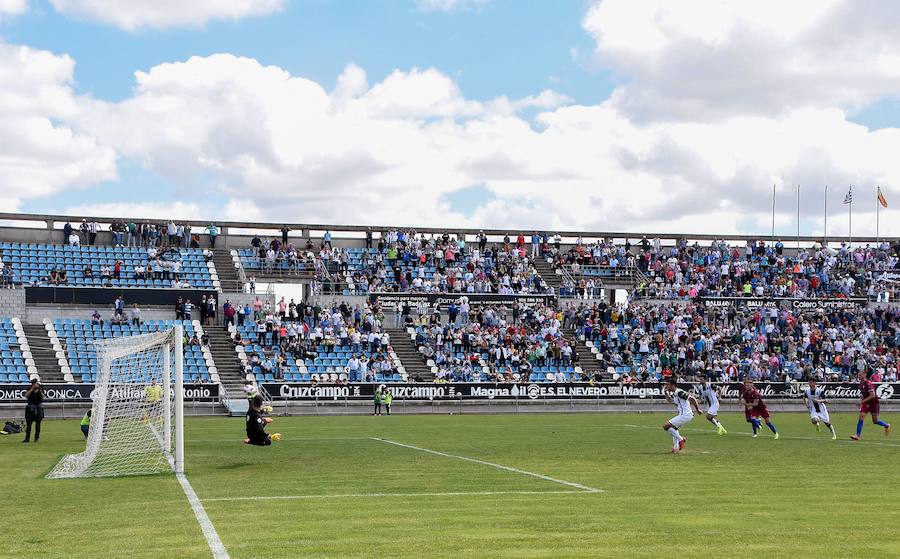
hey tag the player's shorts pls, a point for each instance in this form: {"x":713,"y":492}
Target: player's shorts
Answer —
{"x":713,"y":409}
{"x":872,"y":407}
{"x":821,"y":415}
{"x":681,"y":420}
{"x":759,"y":411}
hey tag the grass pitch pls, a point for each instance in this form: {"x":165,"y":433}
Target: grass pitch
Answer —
{"x":573,"y":486}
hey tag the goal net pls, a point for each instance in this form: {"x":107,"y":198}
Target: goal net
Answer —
{"x":136,"y":420}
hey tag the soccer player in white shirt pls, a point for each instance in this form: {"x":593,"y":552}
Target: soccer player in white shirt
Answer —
{"x":815,"y":401}
{"x":683,"y":402}
{"x":709,"y":394}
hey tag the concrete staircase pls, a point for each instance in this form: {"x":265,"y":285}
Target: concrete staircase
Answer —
{"x":409,"y":355}
{"x":586,"y":357}
{"x":547,"y":274}
{"x":44,"y":355}
{"x":229,"y":367}
{"x":228,"y":275}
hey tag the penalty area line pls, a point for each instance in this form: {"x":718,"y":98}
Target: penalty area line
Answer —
{"x":583,"y":488}
{"x":403,"y":495}
{"x":209,"y":531}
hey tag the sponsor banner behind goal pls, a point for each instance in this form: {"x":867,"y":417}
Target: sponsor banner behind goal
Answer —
{"x":396,"y":300}
{"x":546,"y":391}
{"x":797,"y":305}
{"x":72,"y":392}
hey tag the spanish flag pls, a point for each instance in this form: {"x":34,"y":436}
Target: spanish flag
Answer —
{"x":881,"y":199}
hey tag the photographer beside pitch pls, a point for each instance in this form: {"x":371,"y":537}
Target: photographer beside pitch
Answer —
{"x":34,"y":410}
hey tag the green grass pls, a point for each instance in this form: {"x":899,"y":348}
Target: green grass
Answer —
{"x":729,"y":496}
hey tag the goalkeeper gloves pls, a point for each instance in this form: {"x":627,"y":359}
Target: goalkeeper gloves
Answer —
{"x":276,"y":437}
{"x":267,"y":409}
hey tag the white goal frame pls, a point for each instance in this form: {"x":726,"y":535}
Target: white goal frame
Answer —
{"x":156,"y":351}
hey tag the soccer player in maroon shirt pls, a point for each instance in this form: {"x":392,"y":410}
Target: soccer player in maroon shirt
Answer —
{"x":868,"y":404}
{"x":754,"y":408}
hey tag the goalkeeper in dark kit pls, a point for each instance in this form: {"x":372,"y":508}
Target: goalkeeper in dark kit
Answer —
{"x":256,"y":424}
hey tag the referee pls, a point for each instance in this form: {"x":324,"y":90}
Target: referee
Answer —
{"x":34,"y":410}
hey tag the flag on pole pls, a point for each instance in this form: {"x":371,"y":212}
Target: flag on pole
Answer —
{"x":848,"y":199}
{"x":881,"y":199}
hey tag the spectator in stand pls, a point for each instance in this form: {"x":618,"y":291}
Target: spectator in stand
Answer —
{"x":228,"y":311}
{"x":96,"y":319}
{"x":135,"y":315}
{"x":74,"y":239}
{"x":119,"y":306}
{"x":212,"y":232}
{"x":67,"y":232}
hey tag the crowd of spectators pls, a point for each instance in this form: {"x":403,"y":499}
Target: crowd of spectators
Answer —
{"x":135,"y":233}
{"x":691,"y":340}
{"x":756,"y":269}
{"x":409,"y":262}
{"x":494,"y":343}
{"x":274,"y":335}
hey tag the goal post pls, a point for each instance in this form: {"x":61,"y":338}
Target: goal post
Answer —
{"x":137,"y":415}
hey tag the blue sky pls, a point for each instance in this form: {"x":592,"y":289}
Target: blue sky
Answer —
{"x":649,"y":101}
{"x":503,"y":47}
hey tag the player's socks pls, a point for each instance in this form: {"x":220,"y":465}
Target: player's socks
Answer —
{"x":882,"y":423}
{"x":859,"y":426}
{"x":772,"y":427}
{"x":755,"y":424}
{"x":676,"y":437}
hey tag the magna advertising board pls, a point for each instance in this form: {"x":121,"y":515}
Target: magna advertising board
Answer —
{"x":546,"y":391}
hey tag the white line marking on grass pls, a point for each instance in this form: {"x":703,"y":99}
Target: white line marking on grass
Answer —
{"x":209,"y":531}
{"x":823,"y":438}
{"x":493,"y":465}
{"x":283,"y":440}
{"x":381,"y":495}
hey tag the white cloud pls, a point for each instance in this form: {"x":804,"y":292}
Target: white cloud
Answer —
{"x":448,"y":5}
{"x":278,"y":146}
{"x":40,"y":154}
{"x":703,"y":59}
{"x":12,"y":7}
{"x":150,"y":210}
{"x":160,"y":14}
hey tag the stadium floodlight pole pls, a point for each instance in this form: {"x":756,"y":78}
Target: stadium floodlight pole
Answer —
{"x":179,"y":399}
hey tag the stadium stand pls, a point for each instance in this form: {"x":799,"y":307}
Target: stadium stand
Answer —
{"x":402,"y":261}
{"x":95,"y":266}
{"x":337,"y":344}
{"x":496,"y":344}
{"x":17,"y":363}
{"x":78,"y":359}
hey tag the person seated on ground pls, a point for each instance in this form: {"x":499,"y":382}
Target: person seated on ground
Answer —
{"x":204,"y":339}
{"x":96,"y":319}
{"x":53,"y":278}
{"x":63,"y":278}
{"x":88,"y":272}
{"x":140,"y":271}
{"x":105,"y":273}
